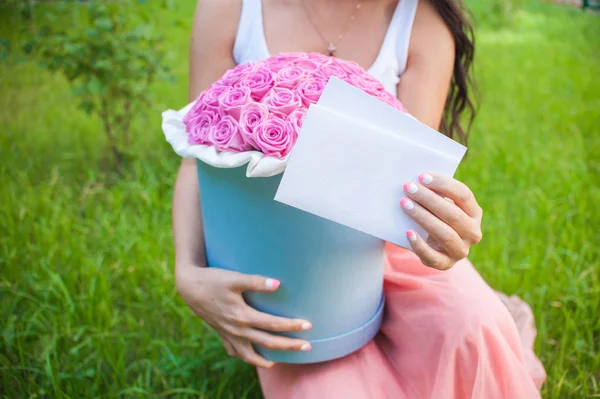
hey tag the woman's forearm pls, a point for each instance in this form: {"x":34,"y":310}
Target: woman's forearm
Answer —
{"x":213,"y":33}
{"x":187,"y":217}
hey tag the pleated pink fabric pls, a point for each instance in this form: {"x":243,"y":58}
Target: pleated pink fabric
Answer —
{"x":445,"y":335}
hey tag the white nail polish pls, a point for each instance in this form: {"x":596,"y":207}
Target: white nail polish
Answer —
{"x":407,"y":204}
{"x":271,"y":283}
{"x":426,"y":178}
{"x":411,"y":235}
{"x":306,"y":347}
{"x":411,"y":188}
{"x":306,"y":326}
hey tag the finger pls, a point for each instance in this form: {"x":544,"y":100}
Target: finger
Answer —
{"x":453,"y":189}
{"x":444,"y":234}
{"x":229,"y":348}
{"x":246,"y":282}
{"x":276,"y":342}
{"x":248,"y":354}
{"x":267,"y":322}
{"x":445,"y":210}
{"x":429,"y":256}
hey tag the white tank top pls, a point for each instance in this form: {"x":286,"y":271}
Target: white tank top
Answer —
{"x":250,"y":43}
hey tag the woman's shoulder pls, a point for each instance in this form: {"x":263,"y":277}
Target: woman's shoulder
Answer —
{"x":431,"y":33}
{"x":211,"y":42}
{"x":217,"y":19}
{"x":219,"y":6}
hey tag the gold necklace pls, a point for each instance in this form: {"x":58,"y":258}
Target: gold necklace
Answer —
{"x":332,"y":46}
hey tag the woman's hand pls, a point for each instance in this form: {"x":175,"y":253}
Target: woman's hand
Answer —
{"x":448,"y":211}
{"x":215,"y":295}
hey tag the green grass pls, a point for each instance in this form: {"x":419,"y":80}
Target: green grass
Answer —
{"x":86,"y":290}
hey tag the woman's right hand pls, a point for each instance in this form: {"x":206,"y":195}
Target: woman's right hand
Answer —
{"x":215,"y":295}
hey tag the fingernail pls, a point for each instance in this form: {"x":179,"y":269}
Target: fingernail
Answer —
{"x":425,"y":178}
{"x":411,"y":235}
{"x":407,"y":204}
{"x":410,"y":187}
{"x":306,"y":347}
{"x":272,"y":283}
{"x":306,"y":326}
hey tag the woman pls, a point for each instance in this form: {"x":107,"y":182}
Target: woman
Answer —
{"x":445,"y":334}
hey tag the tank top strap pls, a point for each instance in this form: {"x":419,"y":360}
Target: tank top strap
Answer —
{"x":250,"y":44}
{"x":393,"y":55}
{"x":402,"y":27}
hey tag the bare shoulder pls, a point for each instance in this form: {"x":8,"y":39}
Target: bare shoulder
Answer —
{"x":216,"y":21}
{"x":211,"y":43}
{"x":424,"y":85}
{"x":431,"y":37}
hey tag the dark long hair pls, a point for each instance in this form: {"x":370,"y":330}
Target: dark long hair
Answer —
{"x":460,"y":97}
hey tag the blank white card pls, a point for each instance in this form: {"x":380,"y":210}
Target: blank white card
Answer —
{"x":345,"y":99}
{"x":352,"y":173}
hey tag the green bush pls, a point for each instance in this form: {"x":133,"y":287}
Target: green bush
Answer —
{"x":111,"y":56}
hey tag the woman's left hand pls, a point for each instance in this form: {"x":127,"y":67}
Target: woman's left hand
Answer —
{"x":449,"y":212}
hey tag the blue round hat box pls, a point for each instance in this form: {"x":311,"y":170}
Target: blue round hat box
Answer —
{"x":331,"y":275}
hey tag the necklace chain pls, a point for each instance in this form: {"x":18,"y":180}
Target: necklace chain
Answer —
{"x":332,"y":45}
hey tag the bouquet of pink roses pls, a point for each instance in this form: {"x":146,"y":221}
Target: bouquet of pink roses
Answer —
{"x":253,"y":115}
{"x":260,"y":106}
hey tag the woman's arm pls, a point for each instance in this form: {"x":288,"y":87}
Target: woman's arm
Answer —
{"x":453,"y":226}
{"x":213,"y":33}
{"x":423,"y":87}
{"x":215,"y":294}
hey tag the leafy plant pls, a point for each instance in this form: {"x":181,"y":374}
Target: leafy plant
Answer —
{"x":25,"y":7}
{"x":4,"y":49}
{"x":111,"y":55}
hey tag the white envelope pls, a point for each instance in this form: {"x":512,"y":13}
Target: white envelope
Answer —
{"x":346,"y":99}
{"x":353,"y":173}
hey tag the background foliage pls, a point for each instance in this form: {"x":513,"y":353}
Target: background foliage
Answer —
{"x":110,"y":55}
{"x":86,"y":291}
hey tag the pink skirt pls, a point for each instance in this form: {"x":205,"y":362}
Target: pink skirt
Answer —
{"x":444,"y":335}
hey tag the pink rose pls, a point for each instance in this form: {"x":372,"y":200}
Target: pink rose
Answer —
{"x":232,"y":76}
{"x":259,"y":82}
{"x":198,"y":127}
{"x":306,"y":64}
{"x":286,"y":57}
{"x":194,"y":112}
{"x":252,"y":116}
{"x":318,"y":57}
{"x":199,"y":105}
{"x":211,"y":95}
{"x":391,"y":100}
{"x":226,"y":135}
{"x":283,"y":60}
{"x":351,"y":68}
{"x":291,"y":56}
{"x":233,"y":100}
{"x":289,"y":77}
{"x":332,"y":68}
{"x":310,"y":90}
{"x":372,"y":81}
{"x":366,"y":83}
{"x":282,"y":101}
{"x":275,"y":137}
{"x":296,"y":118}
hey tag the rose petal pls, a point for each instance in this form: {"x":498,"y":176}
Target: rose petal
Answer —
{"x":275,"y":137}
